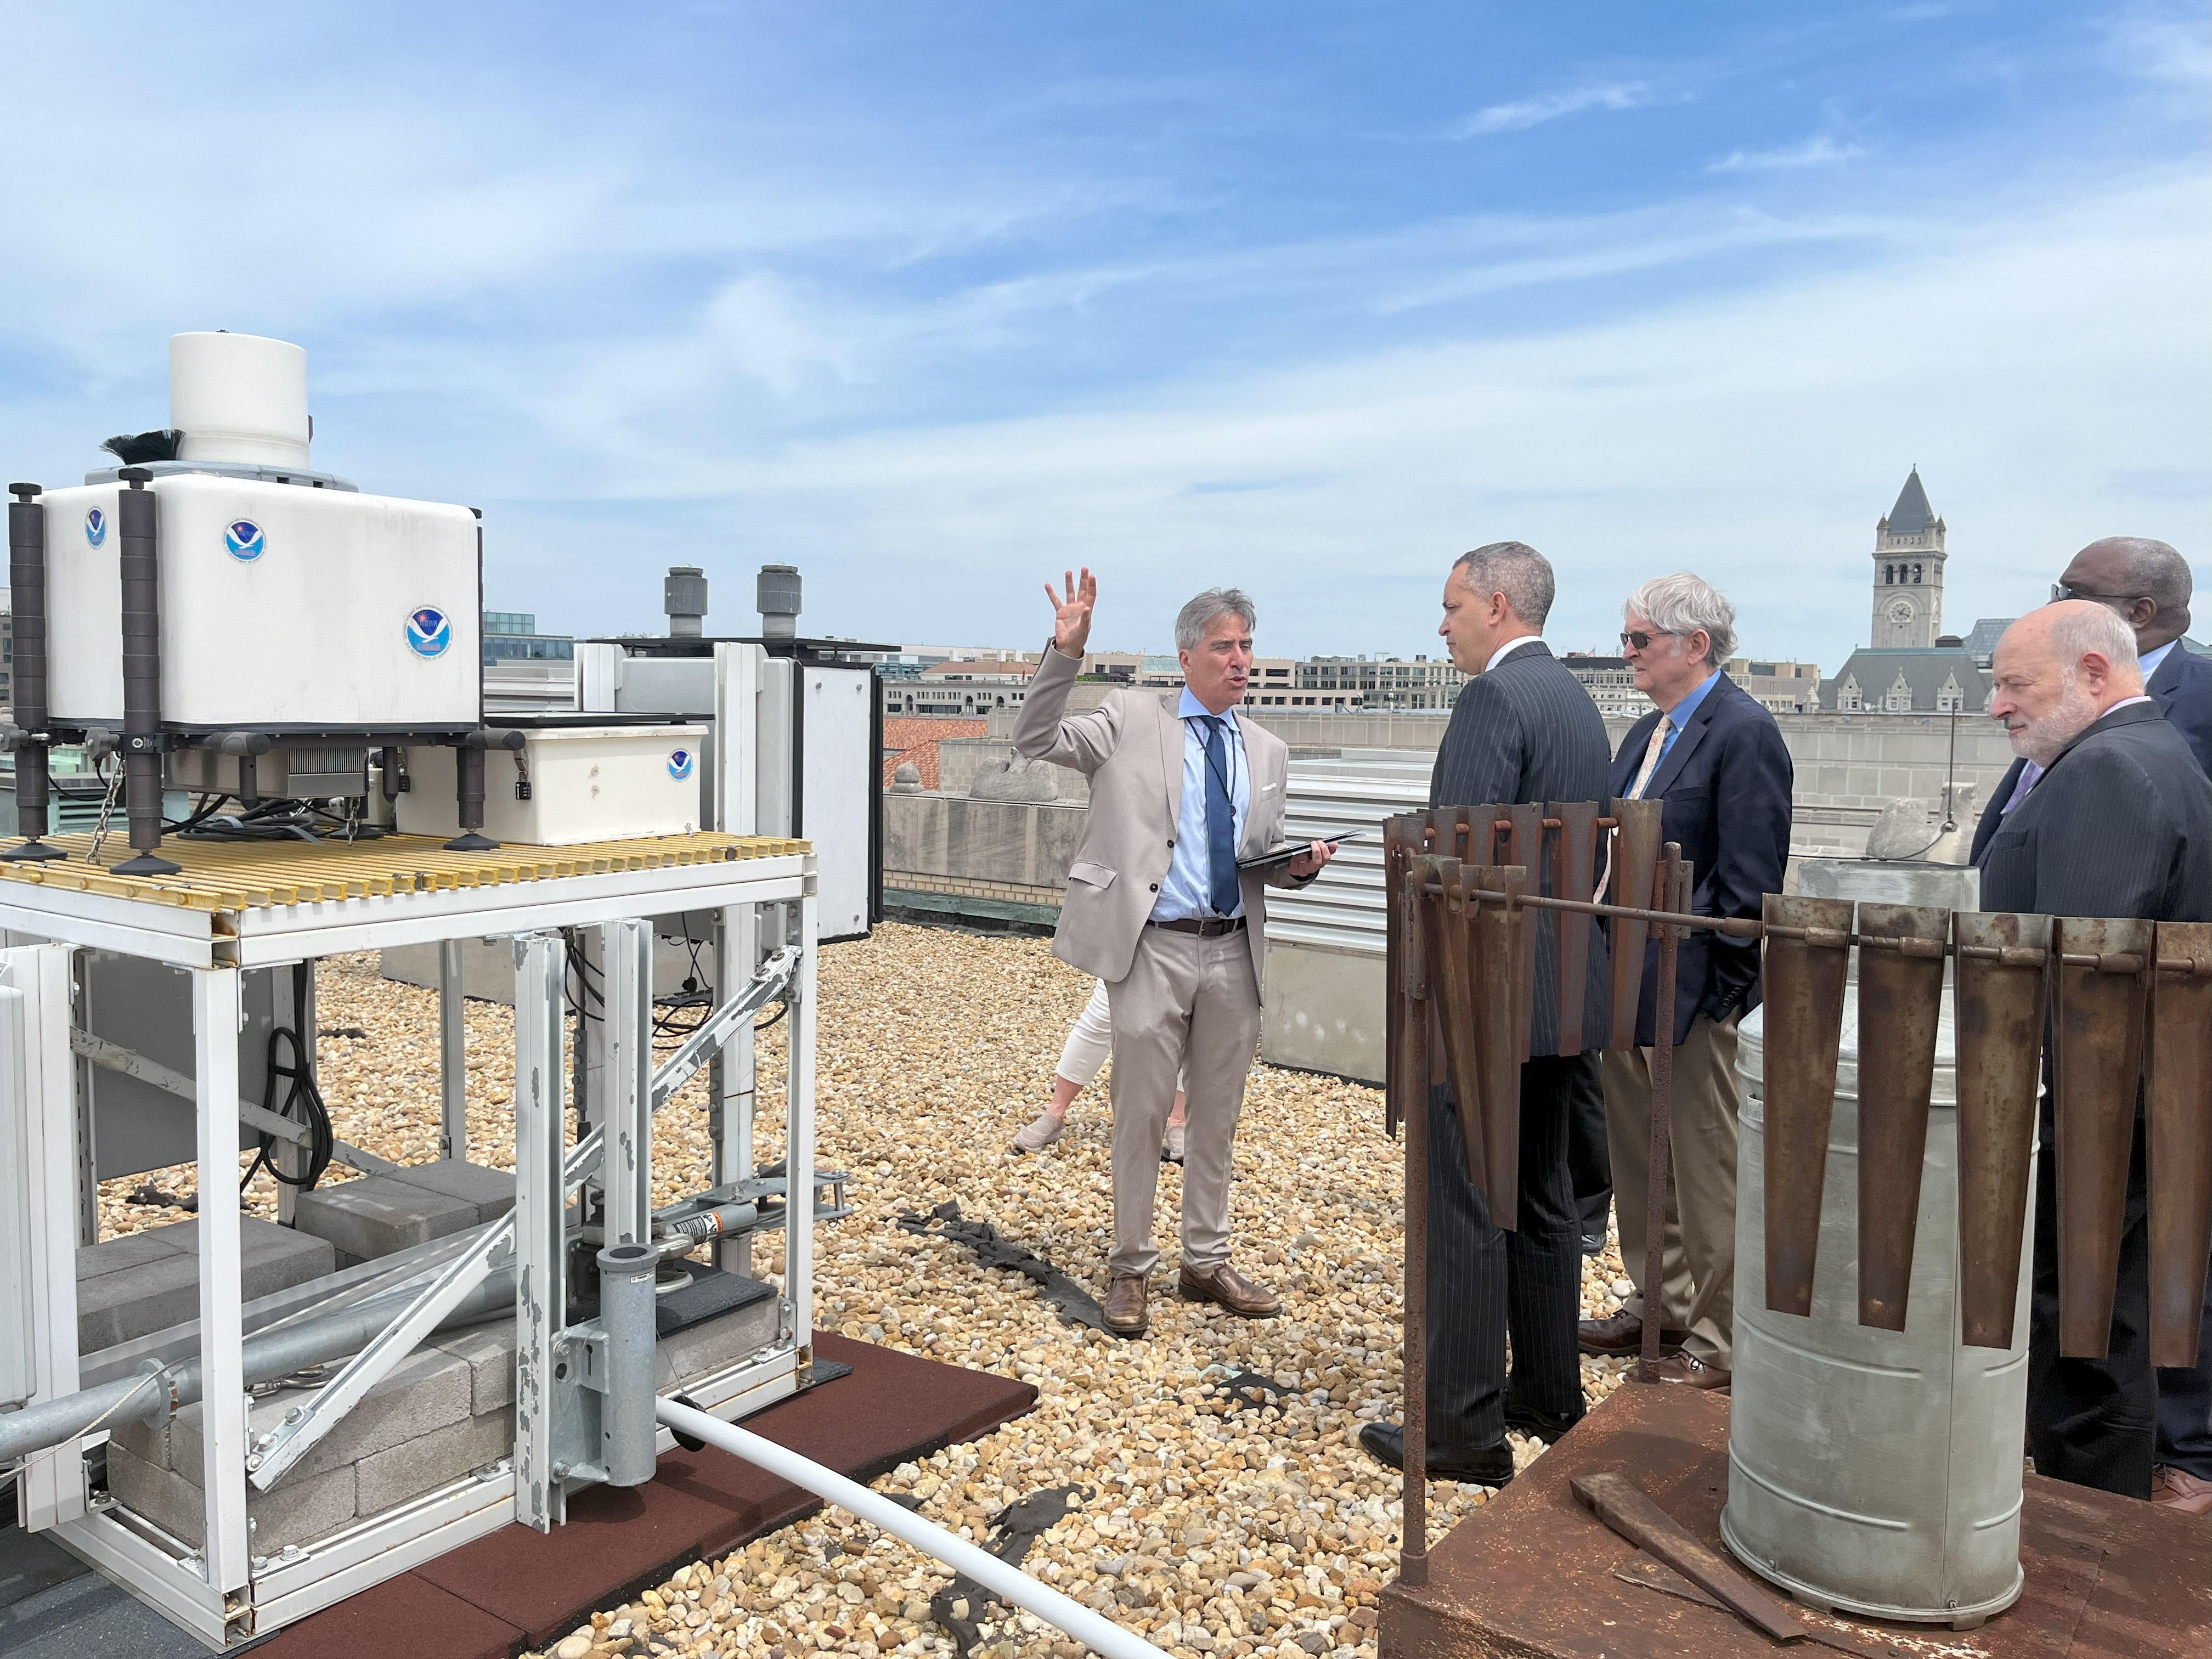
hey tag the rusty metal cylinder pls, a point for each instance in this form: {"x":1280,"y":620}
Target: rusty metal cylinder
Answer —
{"x":1872,"y":1471}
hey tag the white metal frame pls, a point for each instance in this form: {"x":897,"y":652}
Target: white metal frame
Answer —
{"x":223,"y":1593}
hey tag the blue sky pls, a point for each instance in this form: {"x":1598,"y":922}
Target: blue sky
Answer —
{"x":932,"y":301}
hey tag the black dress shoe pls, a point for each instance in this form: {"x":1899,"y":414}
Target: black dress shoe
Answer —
{"x":1592,"y":1243}
{"x":1488,"y":1465}
{"x":1538,"y":1425}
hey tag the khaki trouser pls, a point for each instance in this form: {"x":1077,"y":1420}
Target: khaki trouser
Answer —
{"x":1698,"y":1251}
{"x":1190,"y":1004}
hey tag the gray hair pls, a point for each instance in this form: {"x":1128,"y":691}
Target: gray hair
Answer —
{"x":1515,"y":569}
{"x":1193,"y":620}
{"x":1682,"y":604}
{"x":2081,"y":625}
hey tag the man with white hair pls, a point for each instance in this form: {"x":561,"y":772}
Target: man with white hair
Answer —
{"x":1159,"y":907}
{"x":1714,"y":756}
{"x":2117,"y":822}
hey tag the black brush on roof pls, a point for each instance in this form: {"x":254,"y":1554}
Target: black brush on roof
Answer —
{"x":138,"y":449}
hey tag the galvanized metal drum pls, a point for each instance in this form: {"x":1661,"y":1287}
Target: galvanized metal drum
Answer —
{"x":1869,"y":1471}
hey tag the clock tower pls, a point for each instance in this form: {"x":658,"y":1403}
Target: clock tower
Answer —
{"x":1908,"y":573}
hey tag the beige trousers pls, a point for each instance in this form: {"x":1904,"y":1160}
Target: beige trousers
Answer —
{"x":1698,"y":1251}
{"x":1187,"y":1004}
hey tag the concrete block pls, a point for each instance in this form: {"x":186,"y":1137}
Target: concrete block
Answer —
{"x":492,"y":1191}
{"x":270,"y":1258}
{"x":146,"y":1441}
{"x":716,"y":1344}
{"x":116,"y":1307}
{"x":125,"y":1250}
{"x":489,"y":1350}
{"x":424,"y":1391}
{"x":406,"y":1471}
{"x":379,"y":1214}
{"x":298,"y":1510}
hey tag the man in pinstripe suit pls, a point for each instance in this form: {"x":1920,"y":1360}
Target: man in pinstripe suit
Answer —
{"x":1523,"y":729}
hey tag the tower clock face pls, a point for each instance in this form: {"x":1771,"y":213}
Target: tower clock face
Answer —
{"x":1901,"y":612}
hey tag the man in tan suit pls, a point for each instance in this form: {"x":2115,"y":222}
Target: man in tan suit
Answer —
{"x":1156,"y":907}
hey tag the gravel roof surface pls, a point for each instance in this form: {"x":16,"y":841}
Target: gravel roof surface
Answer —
{"x":1215,"y":1528}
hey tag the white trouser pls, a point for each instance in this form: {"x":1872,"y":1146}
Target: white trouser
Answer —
{"x":1091,"y":1039}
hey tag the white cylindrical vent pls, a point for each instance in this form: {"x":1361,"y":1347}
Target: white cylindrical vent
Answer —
{"x":238,"y":398}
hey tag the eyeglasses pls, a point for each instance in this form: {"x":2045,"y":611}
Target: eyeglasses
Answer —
{"x":2068,"y":590}
{"x":1642,"y":641}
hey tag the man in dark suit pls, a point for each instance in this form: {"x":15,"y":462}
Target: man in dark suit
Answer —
{"x":1714,"y":756}
{"x":2118,"y":822}
{"x":1524,"y":729}
{"x":2148,"y":585}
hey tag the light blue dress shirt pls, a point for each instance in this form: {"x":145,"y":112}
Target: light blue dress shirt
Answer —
{"x":1680,"y":715}
{"x":1183,"y":894}
{"x":2150,"y":660}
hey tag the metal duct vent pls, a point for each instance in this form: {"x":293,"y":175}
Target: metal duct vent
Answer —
{"x":684,"y":596}
{"x":778,"y":601}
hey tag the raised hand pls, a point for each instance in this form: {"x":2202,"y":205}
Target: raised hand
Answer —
{"x":1070,"y":613}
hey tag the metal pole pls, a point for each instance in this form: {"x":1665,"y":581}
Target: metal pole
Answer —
{"x":215,"y":1009}
{"x":1010,"y":1583}
{"x":626,"y":947}
{"x":141,"y":678}
{"x":1414,"y":1529}
{"x":26,"y":577}
{"x":453,"y":1053}
{"x":798,"y":1135}
{"x":541,"y":1298}
{"x":627,"y":1430}
{"x":1673,"y":884}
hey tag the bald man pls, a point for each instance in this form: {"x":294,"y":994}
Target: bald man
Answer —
{"x":2117,"y":822}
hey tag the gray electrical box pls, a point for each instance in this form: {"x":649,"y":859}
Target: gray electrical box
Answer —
{"x":147,"y":1007}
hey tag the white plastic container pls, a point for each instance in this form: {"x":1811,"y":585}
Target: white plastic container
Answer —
{"x":284,"y":608}
{"x":586,"y":783}
{"x":238,"y":398}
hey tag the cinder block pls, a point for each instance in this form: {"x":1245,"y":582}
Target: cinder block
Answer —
{"x":715,"y":1345}
{"x":428,"y":1462}
{"x":270,"y":1258}
{"x":424,"y":1391}
{"x":379,"y":1214}
{"x":492,"y":1191}
{"x":489,"y":1351}
{"x":146,"y":1441}
{"x":158,"y":1284}
{"x":300,"y":1509}
{"x":125,"y":1250}
{"x":162,"y":1292}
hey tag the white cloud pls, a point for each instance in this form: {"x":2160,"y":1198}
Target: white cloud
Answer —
{"x":1555,"y":106}
{"x":1815,"y":152}
{"x":2162,"y":46}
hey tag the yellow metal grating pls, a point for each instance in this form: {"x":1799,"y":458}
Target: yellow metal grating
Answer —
{"x":249,"y":875}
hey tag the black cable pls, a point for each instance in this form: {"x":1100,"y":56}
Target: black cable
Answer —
{"x":303,"y":1094}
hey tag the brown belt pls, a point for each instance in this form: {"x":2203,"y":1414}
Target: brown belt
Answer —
{"x":1204,"y":926}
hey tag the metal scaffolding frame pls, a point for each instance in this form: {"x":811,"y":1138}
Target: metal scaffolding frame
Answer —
{"x":222,"y":1592}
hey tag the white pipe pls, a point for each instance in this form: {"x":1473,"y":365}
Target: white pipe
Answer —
{"x":1007,"y":1582}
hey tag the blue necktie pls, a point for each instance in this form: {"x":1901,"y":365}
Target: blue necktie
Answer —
{"x":1220,"y":820}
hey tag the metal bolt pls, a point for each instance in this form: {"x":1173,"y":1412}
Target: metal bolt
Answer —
{"x":293,"y":1416}
{"x":253,"y":1461}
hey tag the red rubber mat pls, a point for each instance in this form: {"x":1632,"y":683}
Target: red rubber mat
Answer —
{"x":519,"y":1590}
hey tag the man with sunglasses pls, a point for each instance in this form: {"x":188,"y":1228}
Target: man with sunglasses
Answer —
{"x":1714,"y":756}
{"x":2146,"y":584}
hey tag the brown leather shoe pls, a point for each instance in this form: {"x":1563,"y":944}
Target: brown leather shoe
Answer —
{"x":1225,"y":1286}
{"x":2177,"y":1489}
{"x":1125,"y":1305}
{"x":1693,"y":1372}
{"x":1623,"y":1333}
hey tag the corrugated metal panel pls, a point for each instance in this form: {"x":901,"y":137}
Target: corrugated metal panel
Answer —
{"x":1344,"y":909}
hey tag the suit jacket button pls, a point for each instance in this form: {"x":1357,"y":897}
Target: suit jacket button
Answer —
{"x":1156,"y":887}
{"x":1171,"y":847}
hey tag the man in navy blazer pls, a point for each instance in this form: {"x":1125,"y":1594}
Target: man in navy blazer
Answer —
{"x":2147,"y":583}
{"x":1716,"y":757}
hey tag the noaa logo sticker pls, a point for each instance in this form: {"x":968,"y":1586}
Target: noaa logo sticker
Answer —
{"x":95,"y":527}
{"x":429,"y":631}
{"x":679,"y":764}
{"x":245,"y":540}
